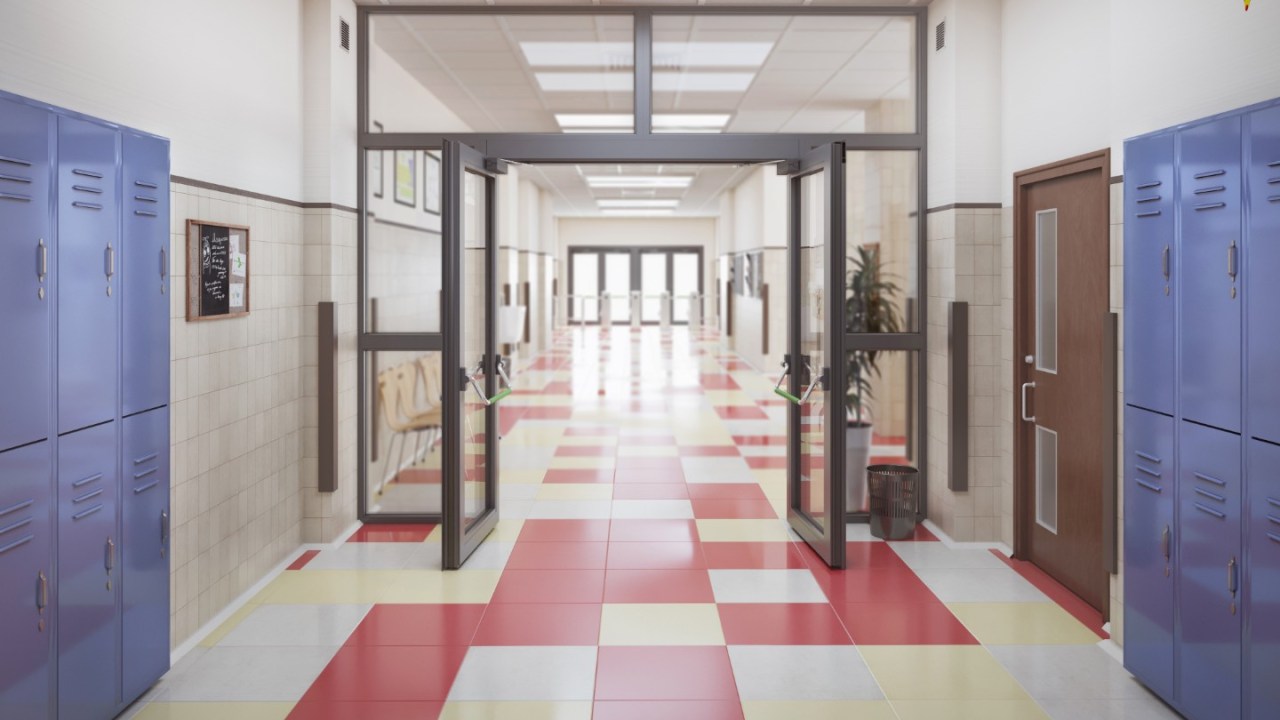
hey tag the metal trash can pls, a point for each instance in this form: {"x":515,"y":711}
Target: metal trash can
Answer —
{"x":893,"y":500}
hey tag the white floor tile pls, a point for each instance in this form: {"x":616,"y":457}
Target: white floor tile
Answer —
{"x":980,"y":585}
{"x":793,"y":672}
{"x":653,"y":509}
{"x":716,"y":470}
{"x":296,"y":625}
{"x":249,"y":674}
{"x":526,"y":673}
{"x":935,"y":555}
{"x":765,"y":586}
{"x":571,"y":510}
{"x":1068,"y":672}
{"x":364,"y":556}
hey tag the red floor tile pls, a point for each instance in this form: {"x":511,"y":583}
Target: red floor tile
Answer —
{"x":418,"y":625}
{"x":709,"y":451}
{"x":894,"y":623}
{"x":1067,"y":600}
{"x":782,"y":624}
{"x":657,"y":586}
{"x":708,"y":509}
{"x":717,"y":381}
{"x":668,"y":710}
{"x":760,"y":440}
{"x":560,"y":475}
{"x":547,"y":413}
{"x":324,"y":710}
{"x":922,"y":534}
{"x":550,"y":586}
{"x":418,"y":476}
{"x":753,"y":556}
{"x":651,"y":491}
{"x":656,"y":556}
{"x":558,"y":556}
{"x":653,"y":531}
{"x":539,"y":624}
{"x":870,"y":555}
{"x":726,"y":491}
{"x":392,"y":532}
{"x":564,"y":531}
{"x":765,"y":462}
{"x":303,"y":559}
{"x":740,"y":412}
{"x":869,"y":585}
{"x":665,"y":673}
{"x":660,"y":475}
{"x":387,"y":674}
{"x":586,"y":451}
{"x":508,"y":418}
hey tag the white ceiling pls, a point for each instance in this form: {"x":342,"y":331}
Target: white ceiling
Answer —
{"x":567,"y":185}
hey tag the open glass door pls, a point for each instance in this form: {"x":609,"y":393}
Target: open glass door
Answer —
{"x":815,"y":434}
{"x":474,"y":374}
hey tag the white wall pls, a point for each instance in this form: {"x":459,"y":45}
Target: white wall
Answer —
{"x":754,"y":217}
{"x":400,"y":102}
{"x":222,"y":80}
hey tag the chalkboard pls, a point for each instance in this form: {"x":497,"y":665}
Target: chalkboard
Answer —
{"x":217,"y":270}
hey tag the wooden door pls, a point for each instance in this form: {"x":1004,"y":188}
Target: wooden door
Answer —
{"x":1061,"y":291}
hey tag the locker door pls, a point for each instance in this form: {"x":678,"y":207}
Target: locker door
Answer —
{"x":145,"y":549}
{"x":1262,"y":268}
{"x":88,"y":560}
{"x":26,"y":251}
{"x":1150,"y":252}
{"x":88,"y":264}
{"x":1262,"y":586}
{"x":1149,"y":483}
{"x":145,"y":347}
{"x":1209,"y":600}
{"x":1209,"y":271}
{"x":26,"y":631}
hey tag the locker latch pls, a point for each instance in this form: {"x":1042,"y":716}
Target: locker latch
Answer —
{"x":1232,"y":580}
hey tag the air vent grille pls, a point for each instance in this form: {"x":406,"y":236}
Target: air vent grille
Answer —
{"x":940,"y":36}
{"x":344,"y":34}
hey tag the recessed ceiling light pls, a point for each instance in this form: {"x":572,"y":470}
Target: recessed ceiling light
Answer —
{"x":691,"y":122}
{"x":634,"y":212}
{"x":708,"y":82}
{"x":639,"y":181}
{"x":615,"y":203}
{"x":584,"y":81}
{"x":711,"y":54}
{"x":578,"y":54}
{"x":602,"y":121}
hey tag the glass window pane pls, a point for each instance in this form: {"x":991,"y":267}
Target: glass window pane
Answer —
{"x":476,"y":278}
{"x":684,"y":283}
{"x":403,"y":430}
{"x":617,"y":283}
{"x":403,"y":262}
{"x":1047,"y":291}
{"x":501,"y":73}
{"x":653,"y":285}
{"x":783,"y":74}
{"x":1047,"y":479}
{"x":882,"y":242}
{"x":584,"y":303}
{"x":813,"y":346}
{"x":884,"y":420}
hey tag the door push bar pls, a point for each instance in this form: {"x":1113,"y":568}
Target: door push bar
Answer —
{"x":777,"y":388}
{"x":500,"y":363}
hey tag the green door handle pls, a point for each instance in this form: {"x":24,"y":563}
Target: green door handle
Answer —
{"x":496,"y":398}
{"x":787,"y":395}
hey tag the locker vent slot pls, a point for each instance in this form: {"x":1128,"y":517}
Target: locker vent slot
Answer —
{"x":86,"y":513}
{"x":1153,"y":198}
{"x":87,"y":206}
{"x":1149,"y":486}
{"x":86,"y":481}
{"x":144,"y":488}
{"x":1149,"y":458}
{"x":145,"y":184}
{"x":1149,"y":213}
{"x":1210,"y":206}
{"x":28,"y":503}
{"x":1270,"y":518}
{"x":1213,"y":189}
{"x":1270,"y":501}
{"x":86,"y":173}
{"x":1212,"y":496}
{"x":1273,"y":537}
{"x":1274,"y":198}
{"x":26,"y":522}
{"x":1210,"y":511}
{"x":87,"y":496}
{"x":24,"y":163}
{"x":1149,"y":185}
{"x":1148,"y":471}
{"x":86,"y":188}
{"x":144,"y":213}
{"x":16,"y":544}
{"x":1209,"y":174}
{"x":14,"y":196}
{"x":1273,"y":163}
{"x":15,"y":178}
{"x":145,"y":458}
{"x":145,"y":199}
{"x":146,"y":473}
{"x":1272,"y":181}
{"x":1208,"y":479}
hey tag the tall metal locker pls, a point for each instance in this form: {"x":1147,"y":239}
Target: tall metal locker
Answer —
{"x":88,"y":265}
{"x":1262,"y":585}
{"x":26,"y":257}
{"x":88,"y":574}
{"x":1210,"y":289}
{"x":1149,"y":483}
{"x":26,"y":620}
{"x":1209,"y":571}
{"x":145,"y":340}
{"x":145,"y":546}
{"x":1262,"y":272}
{"x":1150,"y":252}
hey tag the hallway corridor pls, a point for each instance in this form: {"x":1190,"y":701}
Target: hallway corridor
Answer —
{"x":641,"y":570}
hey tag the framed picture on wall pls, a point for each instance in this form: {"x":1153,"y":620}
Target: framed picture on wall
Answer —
{"x":407,"y":177}
{"x":375,"y":166}
{"x":431,"y":200}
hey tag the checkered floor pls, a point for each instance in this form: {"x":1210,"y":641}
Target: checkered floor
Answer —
{"x":641,"y":571}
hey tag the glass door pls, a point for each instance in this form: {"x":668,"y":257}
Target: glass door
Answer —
{"x":475,"y":379}
{"x":816,"y":437}
{"x":653,"y":285}
{"x":617,"y":286}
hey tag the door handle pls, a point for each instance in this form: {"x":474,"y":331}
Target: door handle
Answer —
{"x":813,"y":383}
{"x":42,"y":592}
{"x":1025,"y":417}
{"x":164,"y":269}
{"x":777,"y":387}
{"x":500,"y":364}
{"x":1164,"y":548}
{"x":111,"y":555}
{"x":164,"y":531}
{"x":1233,"y":258}
{"x":1164,"y":263}
{"x":470,"y":379}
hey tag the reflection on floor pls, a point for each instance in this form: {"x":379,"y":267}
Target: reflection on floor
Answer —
{"x":641,"y":571}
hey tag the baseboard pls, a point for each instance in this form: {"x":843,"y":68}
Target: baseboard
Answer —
{"x":1111,"y":647}
{"x":945,"y":539}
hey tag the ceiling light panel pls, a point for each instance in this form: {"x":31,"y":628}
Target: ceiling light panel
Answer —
{"x":597,"y":121}
{"x":578,"y":54}
{"x":639,"y":181}
{"x":636,"y":213}
{"x":636,"y":203}
{"x":710,"y":54}
{"x":691,"y":121}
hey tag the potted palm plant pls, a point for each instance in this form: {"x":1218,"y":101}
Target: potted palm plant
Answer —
{"x":869,"y":308}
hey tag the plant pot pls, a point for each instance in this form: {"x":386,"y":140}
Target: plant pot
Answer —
{"x":857,"y":455}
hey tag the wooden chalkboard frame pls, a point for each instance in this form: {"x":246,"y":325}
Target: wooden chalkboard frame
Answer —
{"x":194,"y":276}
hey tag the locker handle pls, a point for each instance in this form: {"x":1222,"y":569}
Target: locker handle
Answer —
{"x":1025,"y":417}
{"x":1165,"y":545}
{"x":164,"y":264}
{"x":42,"y":592}
{"x":1232,"y":260}
{"x":111,"y":555}
{"x":42,"y":258}
{"x":1149,"y":486}
{"x":1232,"y":576}
{"x":1164,"y":263}
{"x":111,"y":261}
{"x":164,"y":528}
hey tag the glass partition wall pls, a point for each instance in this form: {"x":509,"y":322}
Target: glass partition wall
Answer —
{"x":606,"y":84}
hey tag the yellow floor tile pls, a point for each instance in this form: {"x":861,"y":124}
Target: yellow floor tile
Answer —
{"x":575,"y":491}
{"x":329,"y":587}
{"x":230,"y":624}
{"x":1032,"y":623}
{"x":215,"y":711}
{"x":940,"y":672}
{"x":534,"y":435}
{"x":521,"y":477}
{"x":506,"y":530}
{"x":727,"y":397}
{"x":742,"y":531}
{"x":819,"y":710}
{"x":516,"y":711}
{"x":436,"y":535}
{"x":648,"y":451}
{"x":660,"y":624}
{"x":1026,"y":709}
{"x":462,"y":586}
{"x":588,"y":441}
{"x":582,"y":463}
{"x":544,"y":401}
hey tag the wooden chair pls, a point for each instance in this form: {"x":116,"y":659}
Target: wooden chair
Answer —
{"x":391,"y":396}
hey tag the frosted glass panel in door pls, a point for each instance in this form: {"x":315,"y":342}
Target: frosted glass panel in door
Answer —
{"x":583,"y":303}
{"x":653,"y":283}
{"x":684,"y":282}
{"x":617,"y":284}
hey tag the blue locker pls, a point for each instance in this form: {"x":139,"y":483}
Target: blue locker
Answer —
{"x":1262,"y":582}
{"x":1150,"y":253}
{"x":1210,"y":602}
{"x":1149,"y":484}
{"x":145,"y":652}
{"x":88,"y":269}
{"x":26,"y":257}
{"x":1262,"y":269}
{"x":145,"y":318}
{"x":88,"y":574}
{"x":26,"y":569}
{"x":1209,"y":273}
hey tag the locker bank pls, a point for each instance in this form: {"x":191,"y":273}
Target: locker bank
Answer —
{"x":601,"y":361}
